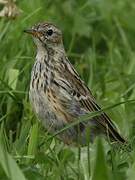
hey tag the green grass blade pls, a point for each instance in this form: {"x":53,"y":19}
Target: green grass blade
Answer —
{"x":9,"y":165}
{"x":100,"y":169}
{"x":32,"y":146}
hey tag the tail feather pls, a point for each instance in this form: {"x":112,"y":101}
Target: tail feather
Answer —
{"x":111,"y":130}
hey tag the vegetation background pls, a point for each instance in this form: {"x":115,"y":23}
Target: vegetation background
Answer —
{"x":99,"y":37}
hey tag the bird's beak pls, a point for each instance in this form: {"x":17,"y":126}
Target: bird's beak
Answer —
{"x":29,"y":31}
{"x":33,"y":32}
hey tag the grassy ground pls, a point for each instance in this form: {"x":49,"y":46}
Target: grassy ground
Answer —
{"x":99,"y":37}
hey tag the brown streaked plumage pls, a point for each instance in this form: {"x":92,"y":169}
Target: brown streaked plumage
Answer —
{"x":57,"y":93}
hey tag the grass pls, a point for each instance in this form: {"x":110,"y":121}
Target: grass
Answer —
{"x":99,"y":37}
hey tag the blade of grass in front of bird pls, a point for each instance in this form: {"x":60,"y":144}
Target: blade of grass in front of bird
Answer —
{"x":100,"y":169}
{"x":33,"y":139}
{"x":8,"y":164}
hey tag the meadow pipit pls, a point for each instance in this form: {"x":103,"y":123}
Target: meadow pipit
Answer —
{"x":57,"y":93}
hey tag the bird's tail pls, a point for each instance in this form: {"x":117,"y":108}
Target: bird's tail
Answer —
{"x":109,"y":129}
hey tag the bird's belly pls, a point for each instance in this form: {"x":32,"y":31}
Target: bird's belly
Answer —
{"x":50,"y":119}
{"x":42,"y":108}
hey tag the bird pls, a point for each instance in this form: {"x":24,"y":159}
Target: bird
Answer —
{"x":59,"y":96}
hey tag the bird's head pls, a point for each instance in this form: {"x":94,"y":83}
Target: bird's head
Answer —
{"x":46,"y":35}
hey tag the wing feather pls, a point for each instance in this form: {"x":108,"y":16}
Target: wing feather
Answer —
{"x":84,"y":99}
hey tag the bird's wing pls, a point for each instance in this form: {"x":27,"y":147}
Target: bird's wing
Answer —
{"x":82,"y":99}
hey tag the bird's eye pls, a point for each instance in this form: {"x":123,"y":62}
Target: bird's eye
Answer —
{"x":49,"y":32}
